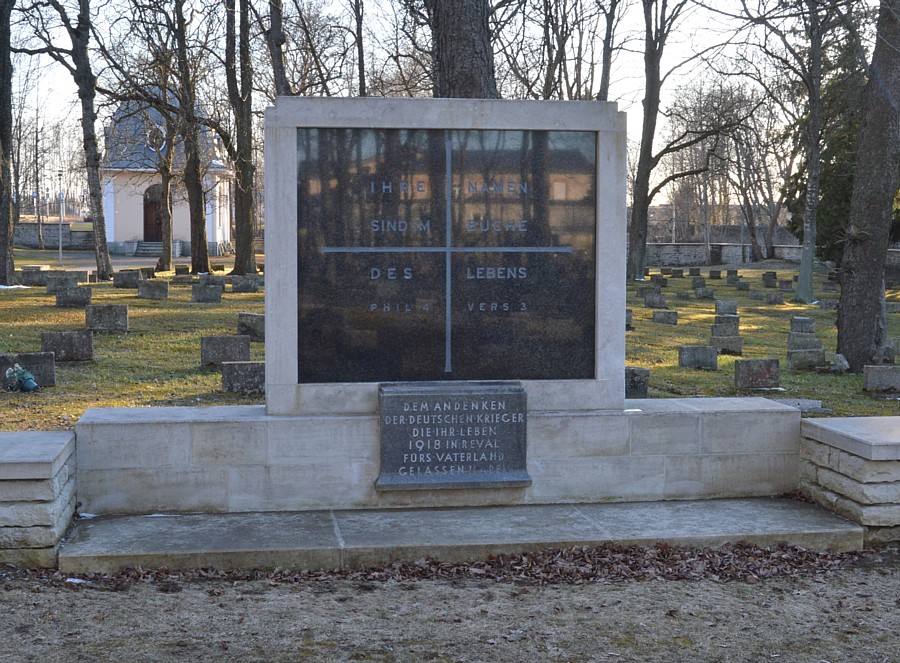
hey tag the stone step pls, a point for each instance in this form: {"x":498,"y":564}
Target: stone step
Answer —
{"x":149,"y":249}
{"x":354,"y":539}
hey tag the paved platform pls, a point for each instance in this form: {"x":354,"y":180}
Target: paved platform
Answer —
{"x":354,"y":539}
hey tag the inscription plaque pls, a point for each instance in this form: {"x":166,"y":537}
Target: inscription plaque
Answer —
{"x":436,"y":254}
{"x":456,"y":435}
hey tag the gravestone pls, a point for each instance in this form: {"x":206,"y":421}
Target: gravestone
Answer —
{"x":742,"y":285}
{"x":69,"y":345}
{"x":206,"y":294}
{"x":637,"y":382}
{"x":252,"y":325}
{"x":246,"y":283}
{"x":653,"y":300}
{"x":212,"y":280}
{"x":677,"y":274}
{"x":155,"y":289}
{"x":629,"y":314}
{"x":756,"y":373}
{"x":74,"y":297}
{"x":805,"y":360}
{"x":693,"y":271}
{"x":42,"y":365}
{"x":732,"y":280}
{"x":705,"y":293}
{"x":770,"y":279}
{"x":652,"y":289}
{"x":215,"y":350}
{"x":803,"y":324}
{"x":698,"y":282}
{"x":56,"y":281}
{"x":127,"y":278}
{"x":731,"y":272}
{"x":715,"y":274}
{"x":665,"y":271}
{"x":244,"y":377}
{"x":660,"y":280}
{"x":107,"y":318}
{"x":725,"y":307}
{"x":440,"y":435}
{"x":182,"y":279}
{"x":881,"y":378}
{"x":774,"y":298}
{"x":666,"y":317}
{"x":698,"y":356}
{"x":182,"y":270}
{"x":785,"y":285}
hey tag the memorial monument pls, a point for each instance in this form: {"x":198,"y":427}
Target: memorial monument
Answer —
{"x":445,"y":326}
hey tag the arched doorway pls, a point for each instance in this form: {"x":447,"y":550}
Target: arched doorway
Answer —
{"x":152,"y":220}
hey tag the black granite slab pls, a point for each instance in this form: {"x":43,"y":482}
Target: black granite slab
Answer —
{"x":446,"y":255}
{"x":452,"y":435}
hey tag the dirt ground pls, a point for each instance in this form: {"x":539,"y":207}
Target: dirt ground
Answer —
{"x":842,"y":614}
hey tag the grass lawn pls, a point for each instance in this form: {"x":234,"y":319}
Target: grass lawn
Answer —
{"x":158,"y":361}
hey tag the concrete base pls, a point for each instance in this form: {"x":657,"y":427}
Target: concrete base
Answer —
{"x":353,"y":539}
{"x":238,"y":458}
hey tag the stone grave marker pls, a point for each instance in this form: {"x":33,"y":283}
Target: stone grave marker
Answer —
{"x":652,"y":300}
{"x":246,"y":283}
{"x":215,"y":350}
{"x":732,"y":280}
{"x":182,"y":270}
{"x":111,"y":318}
{"x":774,"y":298}
{"x":56,"y":281}
{"x":756,"y":373}
{"x":698,"y":356}
{"x":881,"y":378}
{"x":726,"y":307}
{"x":74,"y":297}
{"x":698,"y":282}
{"x":206,"y":294}
{"x":629,"y":315}
{"x":182,"y":279}
{"x":693,"y":271}
{"x":785,"y":285}
{"x":252,"y":325}
{"x":127,"y":278}
{"x":666,"y":317}
{"x":244,"y":377}
{"x":42,"y":365}
{"x":715,"y":274}
{"x":742,"y":285}
{"x":69,"y":345}
{"x":659,"y":280}
{"x":440,"y":435}
{"x":731,"y":272}
{"x":155,"y":289}
{"x":665,"y":271}
{"x":677,"y":274}
{"x":770,"y":279}
{"x":637,"y":381}
{"x":644,"y":290}
{"x":212,"y":280}
{"x":705,"y":293}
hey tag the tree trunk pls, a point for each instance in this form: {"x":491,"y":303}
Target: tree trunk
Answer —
{"x":7,"y":265}
{"x":805,"y":294}
{"x":275,"y":39}
{"x":861,"y":318}
{"x":239,"y":95}
{"x":640,"y":200}
{"x":193,"y":173}
{"x":463,"y":57}
{"x":358,"y":10}
{"x":86,"y":83}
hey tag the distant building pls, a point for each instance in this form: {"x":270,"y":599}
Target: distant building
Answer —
{"x":131,"y":186}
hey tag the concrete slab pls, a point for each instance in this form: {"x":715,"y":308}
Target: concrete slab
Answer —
{"x":351,"y":539}
{"x":873,"y":438}
{"x":34,"y":454}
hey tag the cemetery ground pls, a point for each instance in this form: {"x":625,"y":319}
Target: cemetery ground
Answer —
{"x":735,"y":604}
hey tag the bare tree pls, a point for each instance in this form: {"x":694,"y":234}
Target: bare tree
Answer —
{"x":44,"y":18}
{"x":862,"y":319}
{"x":7,"y":264}
{"x":237,"y":44}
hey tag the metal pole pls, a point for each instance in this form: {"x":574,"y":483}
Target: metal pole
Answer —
{"x":60,"y":216}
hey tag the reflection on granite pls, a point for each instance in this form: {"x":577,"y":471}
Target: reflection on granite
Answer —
{"x":445,"y":255}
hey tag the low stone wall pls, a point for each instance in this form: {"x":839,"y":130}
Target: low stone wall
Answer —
{"x":851,"y":465}
{"x":37,"y":496}
{"x":231,"y":459}
{"x":684,"y":254}
{"x":26,"y":236}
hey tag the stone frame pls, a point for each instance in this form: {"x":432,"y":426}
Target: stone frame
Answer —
{"x":284,"y":394}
